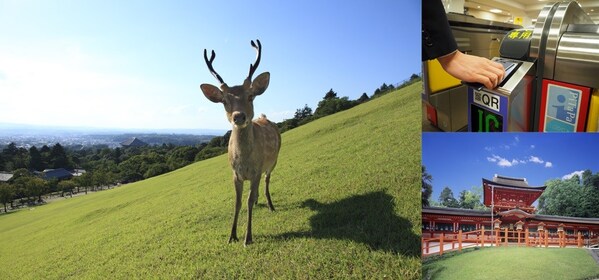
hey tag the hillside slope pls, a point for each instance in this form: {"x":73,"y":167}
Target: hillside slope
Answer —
{"x":347,"y":194}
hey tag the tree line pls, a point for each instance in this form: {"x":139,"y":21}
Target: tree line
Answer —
{"x":104,"y":166}
{"x":331,"y":103}
{"x":577,"y":196}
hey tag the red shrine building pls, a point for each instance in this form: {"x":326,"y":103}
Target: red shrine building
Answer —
{"x":510,"y":210}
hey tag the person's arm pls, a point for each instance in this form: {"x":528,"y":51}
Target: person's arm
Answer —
{"x":438,"y":42}
{"x":470,"y":68}
{"x":437,"y":39}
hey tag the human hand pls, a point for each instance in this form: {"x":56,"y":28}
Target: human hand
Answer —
{"x":474,"y":69}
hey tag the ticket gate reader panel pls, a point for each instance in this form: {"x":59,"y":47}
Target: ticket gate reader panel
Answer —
{"x":505,"y":108}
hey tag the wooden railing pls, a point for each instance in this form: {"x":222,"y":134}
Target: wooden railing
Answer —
{"x":443,"y":242}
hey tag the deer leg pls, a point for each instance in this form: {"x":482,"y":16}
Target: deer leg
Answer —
{"x":267,"y":191}
{"x":238,"y":192}
{"x":253,"y":196}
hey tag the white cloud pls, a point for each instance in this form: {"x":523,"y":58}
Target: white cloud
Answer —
{"x":532,"y":146}
{"x":535,"y":159}
{"x":568,"y":176}
{"x":492,"y":159}
{"x":502,"y":162}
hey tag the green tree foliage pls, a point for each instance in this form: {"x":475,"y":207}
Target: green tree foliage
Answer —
{"x":66,"y":186}
{"x":35,"y":159}
{"x":331,"y":104}
{"x":471,"y":199}
{"x":84,"y":181}
{"x":210,"y":152}
{"x":7,"y":193}
{"x":58,"y":157}
{"x":179,"y":157}
{"x":427,"y":187}
{"x":302,"y":116}
{"x":447,"y":199}
{"x":576,"y":197}
{"x":363,"y":98}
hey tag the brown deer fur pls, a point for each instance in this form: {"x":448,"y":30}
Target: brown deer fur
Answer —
{"x":254,"y":145}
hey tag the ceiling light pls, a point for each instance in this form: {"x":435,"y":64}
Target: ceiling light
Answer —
{"x":478,"y":7}
{"x":497,"y":11}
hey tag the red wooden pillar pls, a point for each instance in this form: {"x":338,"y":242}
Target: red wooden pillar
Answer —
{"x":482,"y":237}
{"x":496,"y":237}
{"x":441,"y":245}
{"x":460,"y":240}
{"x":505,"y":237}
{"x":526,"y":241}
{"x":579,"y":240}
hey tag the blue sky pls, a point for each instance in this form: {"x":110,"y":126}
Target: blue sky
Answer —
{"x":139,"y":64}
{"x":460,"y":160}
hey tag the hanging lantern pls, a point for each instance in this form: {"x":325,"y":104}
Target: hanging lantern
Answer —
{"x":541,"y":226}
{"x":496,"y":223}
{"x":519,"y":225}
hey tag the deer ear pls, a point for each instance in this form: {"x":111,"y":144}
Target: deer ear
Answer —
{"x":212,"y":93}
{"x":260,"y":83}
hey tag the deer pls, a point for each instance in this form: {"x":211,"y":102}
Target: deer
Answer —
{"x":254,"y":144}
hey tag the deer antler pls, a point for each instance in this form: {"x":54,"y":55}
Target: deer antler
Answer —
{"x":254,"y":66}
{"x":209,"y":63}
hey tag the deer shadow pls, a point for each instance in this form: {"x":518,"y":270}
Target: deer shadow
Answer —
{"x":368,"y":219}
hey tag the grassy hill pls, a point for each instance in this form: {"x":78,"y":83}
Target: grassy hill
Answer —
{"x":347,"y":194}
{"x":514,"y":263}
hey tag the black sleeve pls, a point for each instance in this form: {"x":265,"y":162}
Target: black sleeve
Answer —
{"x":437,"y":39}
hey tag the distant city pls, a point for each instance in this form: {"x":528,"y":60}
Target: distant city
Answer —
{"x":32,"y":135}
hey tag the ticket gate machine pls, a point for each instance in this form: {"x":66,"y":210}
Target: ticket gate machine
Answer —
{"x":551,"y":81}
{"x":505,"y":108}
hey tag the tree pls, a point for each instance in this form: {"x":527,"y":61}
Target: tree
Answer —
{"x":85,"y":181}
{"x":447,"y":199}
{"x":179,"y":157}
{"x":66,"y":186}
{"x":58,"y":157}
{"x":414,"y":77}
{"x":35,"y":159}
{"x":563,"y":198}
{"x":303,"y":115}
{"x":7,"y":193}
{"x":470,"y":199}
{"x":330,"y":95}
{"x":330,"y":106}
{"x":427,"y":187}
{"x":363,"y":98}
{"x":31,"y":187}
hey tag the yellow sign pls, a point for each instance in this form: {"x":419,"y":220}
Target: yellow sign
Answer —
{"x":518,"y":20}
{"x":523,"y":34}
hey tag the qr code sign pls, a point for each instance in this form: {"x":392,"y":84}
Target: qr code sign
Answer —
{"x":477,"y":96}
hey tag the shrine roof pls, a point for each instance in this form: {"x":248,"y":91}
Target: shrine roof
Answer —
{"x":455,"y":211}
{"x":518,"y":183}
{"x":551,"y":218}
{"x":516,"y":212}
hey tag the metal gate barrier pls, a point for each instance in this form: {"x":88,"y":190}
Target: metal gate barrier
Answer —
{"x":552,"y":77}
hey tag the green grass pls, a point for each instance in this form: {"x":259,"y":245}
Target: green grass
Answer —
{"x":347,"y":194}
{"x":514,"y":263}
